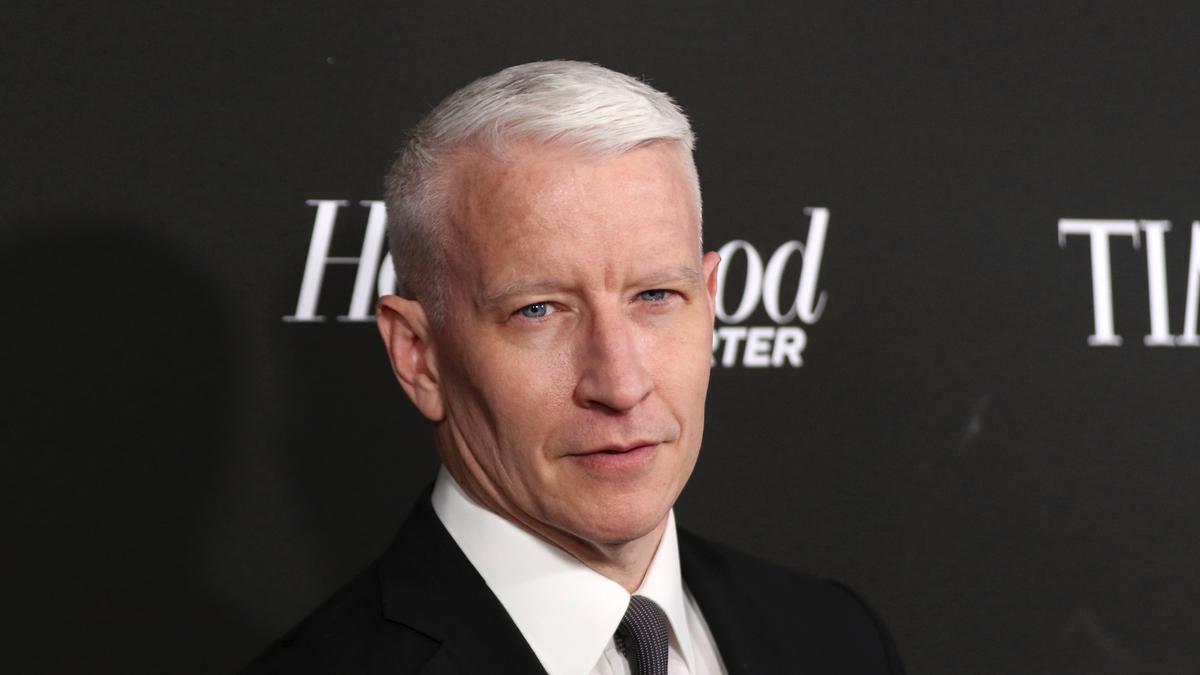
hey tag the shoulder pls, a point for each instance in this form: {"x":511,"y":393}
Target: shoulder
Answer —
{"x":769,"y":587}
{"x":347,"y":634}
{"x":798,"y":616}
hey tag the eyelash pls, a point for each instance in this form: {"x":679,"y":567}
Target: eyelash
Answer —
{"x":543,"y":305}
{"x":665,"y":292}
{"x":549,"y":310}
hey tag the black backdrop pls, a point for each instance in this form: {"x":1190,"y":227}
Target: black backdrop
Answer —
{"x":184,"y":474}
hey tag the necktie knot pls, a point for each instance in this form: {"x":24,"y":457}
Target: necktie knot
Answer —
{"x":642,"y":637}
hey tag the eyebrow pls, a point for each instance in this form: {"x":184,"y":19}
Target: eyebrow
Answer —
{"x":682,"y":275}
{"x":496,"y":299}
{"x":673,"y":275}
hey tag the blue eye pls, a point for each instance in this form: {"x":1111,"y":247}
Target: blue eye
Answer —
{"x":653,"y":296}
{"x":535,"y":311}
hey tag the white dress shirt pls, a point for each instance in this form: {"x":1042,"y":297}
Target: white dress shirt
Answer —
{"x":567,"y":611}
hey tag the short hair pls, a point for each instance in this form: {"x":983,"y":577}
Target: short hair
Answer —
{"x":582,"y":106}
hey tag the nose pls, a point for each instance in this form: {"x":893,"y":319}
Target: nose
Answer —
{"x":612,"y":373}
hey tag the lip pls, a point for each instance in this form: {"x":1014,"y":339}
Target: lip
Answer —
{"x":618,"y":449}
{"x":619,"y":457}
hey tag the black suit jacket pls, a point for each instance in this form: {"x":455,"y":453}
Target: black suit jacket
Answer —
{"x":423,"y":608}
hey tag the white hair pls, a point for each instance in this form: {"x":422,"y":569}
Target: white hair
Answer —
{"x":587,"y":108}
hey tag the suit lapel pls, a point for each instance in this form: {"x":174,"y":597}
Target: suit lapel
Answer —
{"x":431,"y":587}
{"x":732,"y":621}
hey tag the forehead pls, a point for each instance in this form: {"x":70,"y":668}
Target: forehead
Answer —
{"x":540,"y":209}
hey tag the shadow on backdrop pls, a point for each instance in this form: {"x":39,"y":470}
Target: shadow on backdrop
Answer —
{"x":117,"y":397}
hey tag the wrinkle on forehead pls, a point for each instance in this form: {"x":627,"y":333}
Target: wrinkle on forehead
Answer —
{"x":683,"y":275}
{"x":545,"y":197}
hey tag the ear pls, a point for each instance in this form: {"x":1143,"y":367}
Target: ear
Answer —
{"x":405,"y":331}
{"x":709,"y":268}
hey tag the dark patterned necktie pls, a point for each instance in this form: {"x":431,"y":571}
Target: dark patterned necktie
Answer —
{"x":642,"y":637}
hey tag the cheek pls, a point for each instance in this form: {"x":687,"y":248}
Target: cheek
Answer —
{"x":527,"y":391}
{"x":682,"y":371}
{"x":683,"y":351}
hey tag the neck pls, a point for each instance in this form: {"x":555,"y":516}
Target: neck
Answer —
{"x":623,"y":562}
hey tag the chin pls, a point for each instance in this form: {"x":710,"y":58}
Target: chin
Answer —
{"x":621,"y":520}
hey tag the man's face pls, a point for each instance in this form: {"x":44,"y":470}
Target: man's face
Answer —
{"x":573,"y":361}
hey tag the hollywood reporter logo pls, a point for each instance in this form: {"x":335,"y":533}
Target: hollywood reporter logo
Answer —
{"x":779,"y":345}
{"x":758,"y":346}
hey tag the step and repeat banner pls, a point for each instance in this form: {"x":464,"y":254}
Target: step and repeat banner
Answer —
{"x":955,"y":361}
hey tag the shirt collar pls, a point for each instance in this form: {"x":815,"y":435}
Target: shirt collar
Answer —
{"x":566,"y":611}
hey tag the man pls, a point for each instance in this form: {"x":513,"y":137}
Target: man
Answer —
{"x":556,"y":328}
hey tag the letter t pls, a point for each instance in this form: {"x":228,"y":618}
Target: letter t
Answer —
{"x":1100,"y":230}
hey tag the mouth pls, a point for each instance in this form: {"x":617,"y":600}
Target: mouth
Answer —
{"x":619,"y":457}
{"x":620,"y":449}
